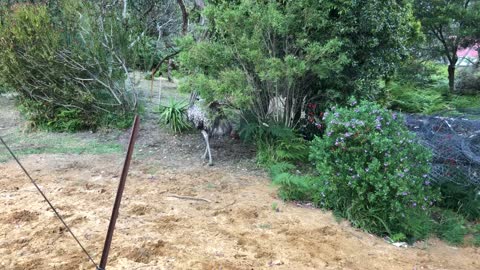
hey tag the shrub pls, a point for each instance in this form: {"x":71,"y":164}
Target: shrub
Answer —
{"x":462,"y":103}
{"x":174,"y":116}
{"x":146,"y":53}
{"x":65,"y":72}
{"x":259,"y":51}
{"x":3,"y":88}
{"x":468,"y":81}
{"x":312,"y":125}
{"x":462,"y":197}
{"x":476,"y":235}
{"x":372,"y":171}
{"x":412,"y":99}
{"x":275,"y":142}
{"x":420,"y":74}
{"x":450,"y":226}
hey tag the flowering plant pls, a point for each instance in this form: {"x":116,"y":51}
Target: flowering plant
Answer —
{"x":312,"y":124}
{"x":371,"y":169}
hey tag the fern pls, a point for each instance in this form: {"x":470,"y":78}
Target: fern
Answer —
{"x":280,"y":167}
{"x":293,"y":187}
{"x":275,"y":143}
{"x":293,"y":149}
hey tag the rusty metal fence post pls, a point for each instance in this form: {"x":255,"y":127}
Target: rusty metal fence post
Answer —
{"x":118,"y":198}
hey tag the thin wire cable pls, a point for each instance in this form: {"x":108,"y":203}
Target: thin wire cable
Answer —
{"x":51,"y":206}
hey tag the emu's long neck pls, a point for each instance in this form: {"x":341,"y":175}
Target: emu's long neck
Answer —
{"x":193,"y":98}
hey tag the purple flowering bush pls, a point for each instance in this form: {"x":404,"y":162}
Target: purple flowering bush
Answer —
{"x":372,"y":171}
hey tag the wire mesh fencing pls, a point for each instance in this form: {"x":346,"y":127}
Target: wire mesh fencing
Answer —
{"x":455,"y":143}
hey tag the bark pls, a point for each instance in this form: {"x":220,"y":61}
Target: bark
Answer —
{"x":169,"y":70}
{"x":451,"y":77}
{"x":184,"y":16}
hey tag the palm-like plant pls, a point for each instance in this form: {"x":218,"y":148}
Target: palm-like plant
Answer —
{"x":174,"y":115}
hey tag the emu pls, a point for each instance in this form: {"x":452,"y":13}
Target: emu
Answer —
{"x":210,"y":119}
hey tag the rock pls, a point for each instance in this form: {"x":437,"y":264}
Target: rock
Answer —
{"x":400,"y":244}
{"x":276,"y":262}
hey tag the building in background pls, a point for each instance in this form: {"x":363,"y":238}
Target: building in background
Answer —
{"x":468,"y":56}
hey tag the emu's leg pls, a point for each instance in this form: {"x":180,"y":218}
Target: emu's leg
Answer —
{"x":204,"y":156}
{"x":205,"y":136}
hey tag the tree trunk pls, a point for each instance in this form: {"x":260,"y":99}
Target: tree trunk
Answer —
{"x":169,"y":70}
{"x":184,"y":16}
{"x":451,"y":77}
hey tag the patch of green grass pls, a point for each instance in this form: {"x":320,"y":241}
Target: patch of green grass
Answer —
{"x":476,"y":240}
{"x":211,"y":186}
{"x":275,"y":206}
{"x":408,"y":98}
{"x":56,"y":143}
{"x":451,"y":227}
{"x":265,"y":226}
{"x":465,"y":102}
{"x":428,"y":100}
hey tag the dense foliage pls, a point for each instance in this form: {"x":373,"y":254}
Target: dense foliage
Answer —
{"x":371,"y":170}
{"x":278,"y":64}
{"x":275,"y":142}
{"x":272,"y":56}
{"x":68,"y":75}
{"x":468,"y":81}
{"x":422,"y":87}
{"x":449,"y":26}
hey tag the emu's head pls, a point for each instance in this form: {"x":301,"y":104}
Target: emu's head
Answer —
{"x":194,"y":98}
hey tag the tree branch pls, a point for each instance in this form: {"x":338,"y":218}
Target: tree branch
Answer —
{"x":184,"y":16}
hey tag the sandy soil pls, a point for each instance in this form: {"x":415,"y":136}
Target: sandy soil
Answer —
{"x":235,"y":226}
{"x":236,"y":229}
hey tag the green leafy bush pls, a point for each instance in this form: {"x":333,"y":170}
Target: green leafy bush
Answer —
{"x":421,"y":74}
{"x":461,"y":103}
{"x":372,"y":171}
{"x":467,"y":81}
{"x":3,"y":88}
{"x":174,"y":116}
{"x":146,"y":53}
{"x":462,"y":197}
{"x":423,"y":88}
{"x":65,"y":72}
{"x":476,"y":235}
{"x":259,"y":51}
{"x":413,"y":99}
{"x":275,"y":142}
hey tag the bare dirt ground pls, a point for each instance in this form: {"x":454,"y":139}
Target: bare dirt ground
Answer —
{"x":233,"y":226}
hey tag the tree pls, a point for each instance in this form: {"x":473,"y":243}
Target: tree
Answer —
{"x":284,"y":53}
{"x":69,"y":72}
{"x":453,"y":23}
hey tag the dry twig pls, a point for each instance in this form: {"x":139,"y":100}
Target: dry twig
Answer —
{"x":189,"y":198}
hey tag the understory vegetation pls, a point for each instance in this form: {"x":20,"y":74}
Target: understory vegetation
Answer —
{"x":423,"y":88}
{"x":369,"y":169}
{"x":293,"y":69}
{"x":174,"y":116}
{"x":67,"y":75}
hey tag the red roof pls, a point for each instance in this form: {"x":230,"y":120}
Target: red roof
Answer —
{"x":471,"y":52}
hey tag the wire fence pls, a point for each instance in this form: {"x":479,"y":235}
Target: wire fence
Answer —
{"x":455,"y":143}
